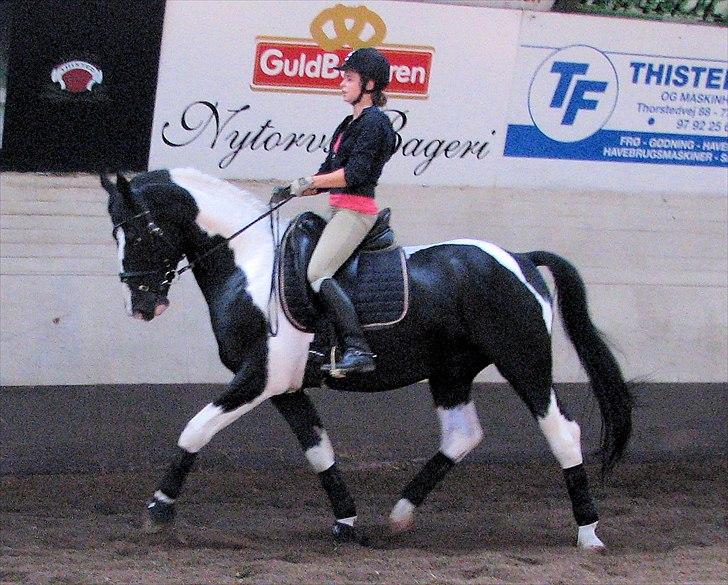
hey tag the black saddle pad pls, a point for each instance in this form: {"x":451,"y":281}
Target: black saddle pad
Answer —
{"x":375,"y":277}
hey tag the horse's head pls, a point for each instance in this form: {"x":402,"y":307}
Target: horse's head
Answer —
{"x":149,"y":247}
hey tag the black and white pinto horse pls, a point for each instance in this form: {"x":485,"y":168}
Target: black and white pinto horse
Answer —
{"x":471,"y":305}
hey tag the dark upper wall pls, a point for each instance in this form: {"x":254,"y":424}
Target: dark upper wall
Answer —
{"x":52,"y":121}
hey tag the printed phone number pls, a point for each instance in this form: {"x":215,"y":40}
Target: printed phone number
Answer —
{"x":701,"y":125}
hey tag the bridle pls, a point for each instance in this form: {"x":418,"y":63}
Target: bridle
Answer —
{"x":137,"y":279}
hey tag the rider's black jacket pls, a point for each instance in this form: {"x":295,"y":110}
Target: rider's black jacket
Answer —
{"x":367,"y":143}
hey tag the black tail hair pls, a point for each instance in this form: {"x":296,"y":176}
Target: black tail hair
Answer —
{"x":613,"y":393}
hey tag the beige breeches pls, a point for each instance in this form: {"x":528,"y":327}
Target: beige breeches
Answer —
{"x":343,"y":233}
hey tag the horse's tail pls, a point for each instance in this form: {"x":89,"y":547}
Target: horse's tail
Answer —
{"x":612,"y":392}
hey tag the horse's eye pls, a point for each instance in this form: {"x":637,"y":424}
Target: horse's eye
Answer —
{"x":143,"y":287}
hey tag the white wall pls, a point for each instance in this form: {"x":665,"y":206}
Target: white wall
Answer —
{"x":654,"y":264}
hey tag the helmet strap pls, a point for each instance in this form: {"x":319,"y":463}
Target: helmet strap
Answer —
{"x":362,"y":90}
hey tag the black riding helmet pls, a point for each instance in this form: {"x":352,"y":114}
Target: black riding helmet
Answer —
{"x":370,"y":64}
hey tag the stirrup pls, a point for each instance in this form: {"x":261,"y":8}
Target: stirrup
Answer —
{"x":363,"y":363}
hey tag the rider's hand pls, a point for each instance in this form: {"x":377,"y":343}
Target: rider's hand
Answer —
{"x":301,"y":186}
{"x":280,"y":194}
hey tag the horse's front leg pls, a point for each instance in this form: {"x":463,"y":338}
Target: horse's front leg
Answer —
{"x":460,"y":433}
{"x":245,"y":392}
{"x":301,"y":415}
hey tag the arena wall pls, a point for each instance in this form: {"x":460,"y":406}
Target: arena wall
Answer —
{"x":654,"y":264}
{"x":85,"y":388}
{"x":114,"y":427}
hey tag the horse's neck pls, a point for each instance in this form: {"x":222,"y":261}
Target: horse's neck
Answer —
{"x":223,"y":210}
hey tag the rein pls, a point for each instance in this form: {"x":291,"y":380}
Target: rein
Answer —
{"x":192,"y":263}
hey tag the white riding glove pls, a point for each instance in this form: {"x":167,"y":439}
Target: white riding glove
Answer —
{"x":300,"y":185}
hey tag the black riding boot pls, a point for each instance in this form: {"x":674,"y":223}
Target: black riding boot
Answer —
{"x":357,"y":356}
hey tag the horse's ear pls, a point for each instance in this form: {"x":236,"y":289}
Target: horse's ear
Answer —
{"x":108,"y":186}
{"x":119,"y":192}
{"x":123,"y":187}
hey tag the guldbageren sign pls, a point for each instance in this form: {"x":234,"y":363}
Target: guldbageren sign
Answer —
{"x":309,"y":65}
{"x":240,"y":103}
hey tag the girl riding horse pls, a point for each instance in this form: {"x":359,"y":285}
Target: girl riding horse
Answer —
{"x":360,"y":147}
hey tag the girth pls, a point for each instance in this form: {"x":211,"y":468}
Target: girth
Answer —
{"x":375,"y":277}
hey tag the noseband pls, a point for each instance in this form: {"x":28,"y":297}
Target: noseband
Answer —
{"x":138,"y":279}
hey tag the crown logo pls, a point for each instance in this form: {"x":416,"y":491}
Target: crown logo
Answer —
{"x":348,"y":23}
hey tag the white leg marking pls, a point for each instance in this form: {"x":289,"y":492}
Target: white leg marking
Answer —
{"x":563,"y":436}
{"x":120,"y":244}
{"x":321,"y":457}
{"x":461,"y":430}
{"x":348,"y":521}
{"x":402,"y":517}
{"x":162,"y":497}
{"x":506,"y":260}
{"x":588,"y":540}
{"x":211,"y":419}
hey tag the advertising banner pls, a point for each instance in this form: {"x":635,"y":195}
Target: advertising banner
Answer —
{"x":80,"y":84}
{"x":648,"y":96}
{"x":260,"y":99}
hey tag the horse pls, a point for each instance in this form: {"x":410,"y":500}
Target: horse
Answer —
{"x":470,"y":305}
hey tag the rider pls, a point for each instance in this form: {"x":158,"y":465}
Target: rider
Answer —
{"x":360,"y":147}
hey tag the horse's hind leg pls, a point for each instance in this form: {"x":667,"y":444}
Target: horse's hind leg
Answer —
{"x":564,"y":439}
{"x":460,"y":433}
{"x":563,"y":436}
{"x":301,"y":415}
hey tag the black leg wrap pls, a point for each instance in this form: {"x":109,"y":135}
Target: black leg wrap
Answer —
{"x":343,"y":533}
{"x":174,"y":479}
{"x":585,"y":512}
{"x":341,"y":501}
{"x":428,"y":477}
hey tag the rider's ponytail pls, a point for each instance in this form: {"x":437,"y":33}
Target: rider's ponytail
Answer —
{"x":379,"y":98}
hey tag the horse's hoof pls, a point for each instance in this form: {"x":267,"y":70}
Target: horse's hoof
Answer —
{"x":151,"y":527}
{"x":343,"y":534}
{"x":587,"y":539}
{"x":165,"y":534}
{"x":160,"y":516}
{"x":402,"y":517}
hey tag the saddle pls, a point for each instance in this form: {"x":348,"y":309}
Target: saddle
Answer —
{"x":375,"y":277}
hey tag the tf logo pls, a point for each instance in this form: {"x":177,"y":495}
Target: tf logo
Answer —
{"x":573,"y":93}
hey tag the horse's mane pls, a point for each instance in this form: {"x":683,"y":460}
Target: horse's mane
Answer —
{"x":204,"y":183}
